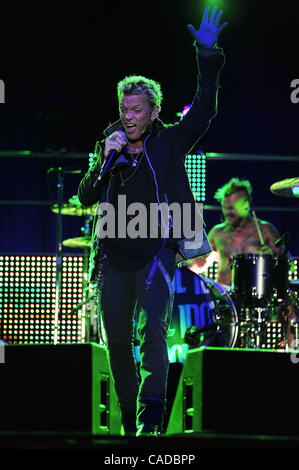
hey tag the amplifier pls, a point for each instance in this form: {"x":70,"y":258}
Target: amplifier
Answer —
{"x":237,"y":391}
{"x":58,"y":388}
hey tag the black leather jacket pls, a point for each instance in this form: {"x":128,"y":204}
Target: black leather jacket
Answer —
{"x":165,"y":150}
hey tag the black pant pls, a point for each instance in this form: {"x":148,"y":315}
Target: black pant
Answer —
{"x":119,"y":295}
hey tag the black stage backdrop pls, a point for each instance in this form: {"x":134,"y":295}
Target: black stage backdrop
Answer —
{"x":60,"y":69}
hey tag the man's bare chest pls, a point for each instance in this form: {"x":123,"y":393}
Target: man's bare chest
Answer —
{"x":239,"y":241}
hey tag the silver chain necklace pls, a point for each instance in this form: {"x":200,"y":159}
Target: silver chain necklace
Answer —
{"x":123,"y":181}
{"x":134,"y":160}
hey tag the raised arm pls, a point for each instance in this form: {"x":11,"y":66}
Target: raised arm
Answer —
{"x":210,"y":61}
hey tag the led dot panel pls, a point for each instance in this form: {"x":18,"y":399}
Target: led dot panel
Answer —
{"x":272,"y":335}
{"x":295,"y":273}
{"x":92,"y":158}
{"x":212,"y":271}
{"x":196,"y":171}
{"x":27,"y":299}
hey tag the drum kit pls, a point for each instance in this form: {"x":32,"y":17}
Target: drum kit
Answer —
{"x":260,"y":292}
{"x":261,"y":303}
{"x":259,"y":310}
{"x":266,"y":300}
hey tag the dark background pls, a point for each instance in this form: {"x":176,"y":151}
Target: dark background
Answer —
{"x":61,"y":65}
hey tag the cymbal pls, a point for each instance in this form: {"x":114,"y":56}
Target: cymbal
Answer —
{"x":78,"y":242}
{"x":74,"y":209}
{"x":288,"y":187}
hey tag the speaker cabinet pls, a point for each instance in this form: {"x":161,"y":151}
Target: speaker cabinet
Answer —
{"x":64,"y":387}
{"x":237,"y":391}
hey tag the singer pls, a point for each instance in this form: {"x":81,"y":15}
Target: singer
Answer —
{"x":143,"y":159}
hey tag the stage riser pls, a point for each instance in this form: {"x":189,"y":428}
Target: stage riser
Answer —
{"x":237,"y":391}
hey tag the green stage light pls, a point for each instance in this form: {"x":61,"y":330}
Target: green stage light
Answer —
{"x":195,"y":167}
{"x":221,"y":4}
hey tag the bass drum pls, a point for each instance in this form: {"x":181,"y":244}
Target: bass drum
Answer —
{"x":203,"y":313}
{"x":260,"y":280}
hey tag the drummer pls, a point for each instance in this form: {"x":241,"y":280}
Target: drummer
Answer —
{"x":239,"y":232}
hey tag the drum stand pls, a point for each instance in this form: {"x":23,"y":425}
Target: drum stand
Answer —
{"x":256,"y":330}
{"x":259,"y":323}
{"x":58,"y":251}
{"x":88,"y":315}
{"x":251,"y":322}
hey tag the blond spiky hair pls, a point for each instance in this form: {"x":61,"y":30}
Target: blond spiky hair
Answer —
{"x":139,"y":85}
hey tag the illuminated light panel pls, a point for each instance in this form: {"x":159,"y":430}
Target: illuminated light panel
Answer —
{"x":27,"y":298}
{"x":294,"y":274}
{"x":196,"y":171}
{"x":274,"y":336}
{"x":212,"y":271}
{"x":92,"y":158}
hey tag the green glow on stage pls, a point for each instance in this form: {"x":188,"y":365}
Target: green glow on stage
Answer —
{"x":251,"y":350}
{"x":214,"y":3}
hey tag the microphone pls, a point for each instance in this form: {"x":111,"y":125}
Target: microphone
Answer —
{"x":108,"y":165}
{"x":104,"y":168}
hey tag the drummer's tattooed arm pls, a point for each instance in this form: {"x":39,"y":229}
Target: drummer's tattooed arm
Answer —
{"x":270,"y":235}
